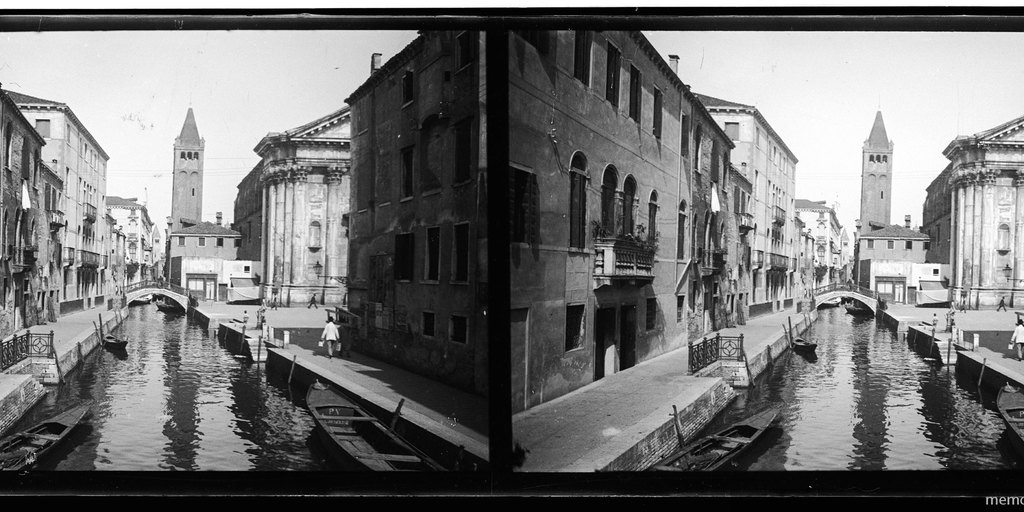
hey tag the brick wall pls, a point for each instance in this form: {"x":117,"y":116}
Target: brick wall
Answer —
{"x":14,"y":405}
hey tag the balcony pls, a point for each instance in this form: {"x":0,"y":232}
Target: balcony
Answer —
{"x":622,"y":259}
{"x":758,"y":261}
{"x":89,"y":212}
{"x":778,"y":261}
{"x":56,"y":219}
{"x":89,"y":259}
{"x":779,"y":216}
{"x":711,"y":261}
{"x":69,"y":256}
{"x":745,"y":222}
{"x":23,"y":257}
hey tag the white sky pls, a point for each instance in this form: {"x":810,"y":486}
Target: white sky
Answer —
{"x":820,"y":92}
{"x":132,"y":90}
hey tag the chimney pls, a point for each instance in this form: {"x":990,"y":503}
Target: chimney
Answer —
{"x":673,"y":61}
{"x":374,"y":63}
{"x":219,"y":217}
{"x":906,"y":221}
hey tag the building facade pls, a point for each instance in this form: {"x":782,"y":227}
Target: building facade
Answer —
{"x":418,"y":222}
{"x":75,"y":156}
{"x":876,"y":178}
{"x":821,"y":221}
{"x":886,"y":258}
{"x":623,"y":236}
{"x":765,"y":160}
{"x":137,"y":228}
{"x":987,"y":195}
{"x":936,"y":217}
{"x":292,"y":211}
{"x":197,"y":256}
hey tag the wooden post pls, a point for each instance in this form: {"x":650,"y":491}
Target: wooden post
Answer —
{"x":789,"y":335}
{"x":101,"y":323}
{"x":290,"y":372}
{"x":678,"y":427}
{"x":80,"y":351}
{"x":397,"y":414}
{"x":790,"y":320}
{"x":259,"y":347}
{"x":981,"y":374}
{"x":949,"y":346}
{"x":56,"y":360}
{"x":933,"y":343}
{"x":94,"y":326}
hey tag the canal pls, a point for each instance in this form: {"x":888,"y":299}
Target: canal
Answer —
{"x":177,"y":400}
{"x":868,"y":401}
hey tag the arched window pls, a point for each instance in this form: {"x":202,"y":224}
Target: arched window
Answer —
{"x":652,"y":215}
{"x":885,"y":158}
{"x":7,"y":145}
{"x":681,"y":235}
{"x":578,"y":201}
{"x":871,"y":158}
{"x":609,"y":183}
{"x":628,"y":204}
{"x":182,"y":155}
{"x":314,"y":234}
{"x":1003,"y":240}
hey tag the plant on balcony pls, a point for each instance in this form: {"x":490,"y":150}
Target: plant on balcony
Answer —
{"x":646,"y":243}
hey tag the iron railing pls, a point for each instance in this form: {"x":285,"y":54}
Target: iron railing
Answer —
{"x":779,"y":261}
{"x":89,"y":212}
{"x":151,"y":283}
{"x":779,"y":216}
{"x":56,"y":218}
{"x":15,"y":349}
{"x":717,"y":348}
{"x":89,"y":258}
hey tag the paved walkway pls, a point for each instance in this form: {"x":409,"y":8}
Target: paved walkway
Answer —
{"x":586,"y":429}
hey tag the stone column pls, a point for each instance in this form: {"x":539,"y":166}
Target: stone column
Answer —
{"x":959,"y":192}
{"x":278,"y":256}
{"x":974,"y":239}
{"x":288,"y":227}
{"x":333,"y":215}
{"x":1018,"y":232}
{"x":265,"y":266}
{"x":988,"y":216}
{"x":300,"y":225}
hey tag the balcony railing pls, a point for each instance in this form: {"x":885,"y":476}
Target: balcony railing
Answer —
{"x":745,"y":222}
{"x":711,"y":261}
{"x":622,"y":259}
{"x":56,"y":219}
{"x":779,"y":261}
{"x":89,"y":212}
{"x":22,"y":256}
{"x":779,"y":217}
{"x":758,"y":259}
{"x":69,"y":256}
{"x":89,"y":259}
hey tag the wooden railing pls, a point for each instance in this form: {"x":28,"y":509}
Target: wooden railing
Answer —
{"x":716,"y":348}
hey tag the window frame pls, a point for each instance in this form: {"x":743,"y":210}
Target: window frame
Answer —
{"x":636,"y":94}
{"x":452,"y":330}
{"x":613,"y":75}
{"x":404,"y":270}
{"x":580,"y":325}
{"x":583,"y":42}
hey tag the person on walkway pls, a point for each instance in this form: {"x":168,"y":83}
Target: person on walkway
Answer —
{"x":312,"y":302}
{"x":245,"y":319}
{"x":330,"y":336}
{"x":273,"y":301}
{"x":1018,"y":339}
{"x":1002,"y":304}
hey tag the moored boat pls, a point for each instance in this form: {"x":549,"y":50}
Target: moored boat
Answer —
{"x":111,"y":341}
{"x":357,"y":440}
{"x":1010,"y":403}
{"x":856,"y":308}
{"x":145,"y":299}
{"x":24,"y":449}
{"x":714,"y":451}
{"x":802,"y":345}
{"x":167,"y":306}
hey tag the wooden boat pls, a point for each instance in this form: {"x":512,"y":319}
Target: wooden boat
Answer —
{"x":714,"y":451}
{"x":802,"y":345}
{"x":831,"y":303}
{"x":22,"y":450}
{"x":356,"y":439}
{"x":111,"y":341}
{"x":145,"y":299}
{"x":167,"y":306}
{"x":1010,"y":402}
{"x":856,"y":308}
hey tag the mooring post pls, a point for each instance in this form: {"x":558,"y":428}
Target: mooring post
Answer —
{"x":53,"y":350}
{"x":678,"y":428}
{"x":397,"y":414}
{"x":949,"y":346}
{"x":259,"y":347}
{"x":934,"y":343}
{"x":79,"y":344}
{"x":981,"y":374}
{"x":290,"y":372}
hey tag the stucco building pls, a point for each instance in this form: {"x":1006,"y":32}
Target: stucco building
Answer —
{"x":418,"y":222}
{"x":886,"y":258}
{"x":137,"y":228}
{"x":936,"y":217}
{"x":821,"y":221}
{"x":197,"y":256}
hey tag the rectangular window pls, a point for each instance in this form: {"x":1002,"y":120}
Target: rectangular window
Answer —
{"x":574,"y":326}
{"x":408,"y":92}
{"x":657,"y":113}
{"x":684,"y":135}
{"x":611,"y":89}
{"x":459,"y":329}
{"x":652,"y":313}
{"x":460,"y":266}
{"x":404,"y":246}
{"x":871,"y":244}
{"x":220,"y":242}
{"x":680,"y":302}
{"x":757,"y":140}
{"x":927,"y":245}
{"x":577,"y":210}
{"x":463,"y":151}
{"x":465,"y":50}
{"x":43,"y":127}
{"x":910,"y":244}
{"x":407,"y":172}
{"x":581,"y":61}
{"x":202,"y":241}
{"x":635,"y":93}
{"x":432,"y":262}
{"x":891,"y":244}
{"x":428,"y":323}
{"x":523,"y":198}
{"x":181,"y":241}
{"x":238,"y":242}
{"x":732,"y":130}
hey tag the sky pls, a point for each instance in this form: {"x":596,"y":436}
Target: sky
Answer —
{"x":820,"y":91}
{"x":132,"y":90}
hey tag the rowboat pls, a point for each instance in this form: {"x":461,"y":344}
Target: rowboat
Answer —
{"x":357,"y":440}
{"x":24,"y":449}
{"x":145,"y":299}
{"x":1010,"y":402}
{"x":714,"y":451}
{"x":855,"y":308}
{"x":801,"y":345}
{"x":113,"y":342}
{"x":167,"y":306}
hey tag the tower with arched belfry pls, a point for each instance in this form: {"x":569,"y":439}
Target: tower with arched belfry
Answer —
{"x":876,"y":178}
{"x":187,"y":189}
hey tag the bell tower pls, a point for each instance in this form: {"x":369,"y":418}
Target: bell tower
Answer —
{"x":876,"y":178}
{"x":187,"y":188}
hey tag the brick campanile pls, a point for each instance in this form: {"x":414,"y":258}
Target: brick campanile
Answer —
{"x":187,"y":190}
{"x":876,"y":178}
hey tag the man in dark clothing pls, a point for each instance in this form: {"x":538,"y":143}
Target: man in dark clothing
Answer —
{"x":1002,"y":304}
{"x":312,"y":302}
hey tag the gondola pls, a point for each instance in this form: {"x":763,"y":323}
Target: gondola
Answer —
{"x":359,"y":441}
{"x":857,"y":309}
{"x":804,"y":346}
{"x":1010,"y":403}
{"x":21,"y":451}
{"x":714,"y":451}
{"x":113,"y":342}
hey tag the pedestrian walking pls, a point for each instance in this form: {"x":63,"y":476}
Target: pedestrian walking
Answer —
{"x":312,"y":302}
{"x":245,"y":319}
{"x":330,"y":336}
{"x":1002,"y":304}
{"x":274,"y":299}
{"x":1017,"y":339}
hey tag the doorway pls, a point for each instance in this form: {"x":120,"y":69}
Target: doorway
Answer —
{"x":627,"y":337}
{"x":604,"y":342}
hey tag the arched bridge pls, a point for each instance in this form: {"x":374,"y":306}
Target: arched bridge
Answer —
{"x":171,"y":291}
{"x":865,"y":296}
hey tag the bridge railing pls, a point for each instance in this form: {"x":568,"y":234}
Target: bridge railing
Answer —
{"x":151,"y":283}
{"x":840,"y":287}
{"x":15,"y":349}
{"x":716,"y":348}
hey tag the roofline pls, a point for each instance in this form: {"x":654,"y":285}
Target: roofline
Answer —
{"x":760,"y":117}
{"x":395,"y":61}
{"x":71,"y":113}
{"x":10,"y":102}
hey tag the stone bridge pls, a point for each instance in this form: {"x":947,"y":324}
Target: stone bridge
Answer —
{"x":865,"y":296}
{"x":171,"y":291}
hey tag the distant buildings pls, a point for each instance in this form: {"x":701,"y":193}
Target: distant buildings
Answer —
{"x":137,"y":228}
{"x":197,"y":257}
{"x":417,"y":266}
{"x":887,"y":259}
{"x":821,"y":221}
{"x":936,"y":218}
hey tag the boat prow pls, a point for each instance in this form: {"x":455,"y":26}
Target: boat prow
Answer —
{"x":1010,"y":402}
{"x":21,"y":451}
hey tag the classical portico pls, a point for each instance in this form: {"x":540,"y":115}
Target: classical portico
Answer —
{"x":987,"y":186}
{"x":305,"y":187}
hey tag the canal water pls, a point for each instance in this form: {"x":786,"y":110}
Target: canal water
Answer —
{"x":868,"y":401}
{"x":177,"y":400}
